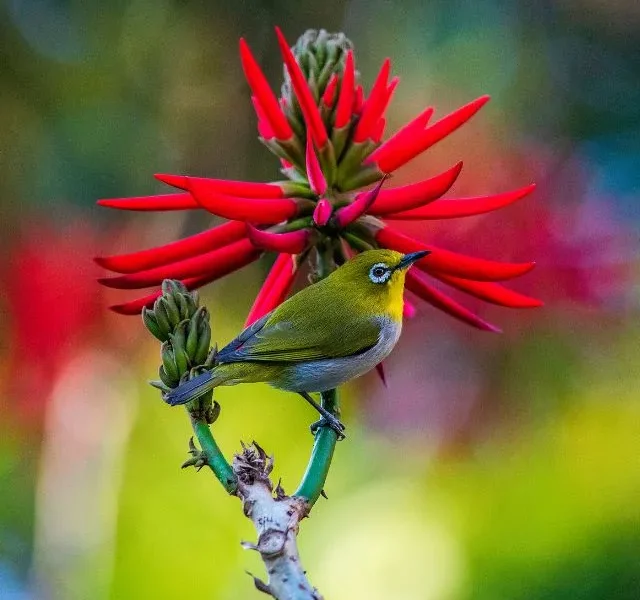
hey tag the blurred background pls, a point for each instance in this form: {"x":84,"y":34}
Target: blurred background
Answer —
{"x":492,"y":467}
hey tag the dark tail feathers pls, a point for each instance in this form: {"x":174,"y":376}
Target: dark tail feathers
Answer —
{"x":191,"y":390}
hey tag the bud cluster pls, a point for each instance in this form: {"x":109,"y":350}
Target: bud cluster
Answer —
{"x":184,"y":330}
{"x":321,"y":56}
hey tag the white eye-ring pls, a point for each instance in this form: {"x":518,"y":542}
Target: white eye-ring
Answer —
{"x":379,"y":273}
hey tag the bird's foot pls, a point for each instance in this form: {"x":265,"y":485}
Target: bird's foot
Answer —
{"x":330,"y":421}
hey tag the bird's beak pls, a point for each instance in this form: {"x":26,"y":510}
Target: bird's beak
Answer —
{"x":408,"y":259}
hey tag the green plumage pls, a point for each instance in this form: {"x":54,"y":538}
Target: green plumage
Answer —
{"x":308,"y":326}
{"x":325,"y":334}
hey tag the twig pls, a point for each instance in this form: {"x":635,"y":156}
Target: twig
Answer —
{"x":213,"y":456}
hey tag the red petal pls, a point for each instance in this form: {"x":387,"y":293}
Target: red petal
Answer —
{"x":214,"y":264}
{"x":358,"y":100}
{"x":378,"y":130}
{"x":145,"y":203}
{"x":292,"y":242}
{"x":491,"y":292}
{"x":436,"y":298}
{"x":329,"y":96}
{"x":254,"y":210}
{"x":404,"y":135}
{"x":322,"y":212}
{"x":408,"y":309}
{"x":264,"y":127}
{"x":247,"y":189}
{"x":396,"y":152}
{"x":452,"y":263}
{"x":348,"y":214}
{"x":303,"y":93}
{"x":274,"y":289}
{"x":260,"y":88}
{"x":372,"y":112}
{"x":345,"y":99}
{"x":463,"y":207}
{"x":135,"y":306}
{"x":161,"y":255}
{"x":375,"y":104}
{"x":381,"y":374}
{"x":317,"y":182}
{"x":415,"y":194}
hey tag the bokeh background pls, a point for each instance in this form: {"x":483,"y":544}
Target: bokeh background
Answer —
{"x":492,"y":467}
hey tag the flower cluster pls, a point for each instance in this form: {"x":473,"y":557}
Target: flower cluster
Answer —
{"x":328,"y":136}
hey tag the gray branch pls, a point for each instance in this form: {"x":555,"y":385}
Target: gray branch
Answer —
{"x":276,"y":518}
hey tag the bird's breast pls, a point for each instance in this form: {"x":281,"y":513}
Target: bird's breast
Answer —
{"x":328,"y":373}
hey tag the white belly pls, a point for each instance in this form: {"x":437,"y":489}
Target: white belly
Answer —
{"x":326,"y":374}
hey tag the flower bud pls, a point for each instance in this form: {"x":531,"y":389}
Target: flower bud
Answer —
{"x":191,"y":344}
{"x":172,"y":308}
{"x":150,"y":322}
{"x":204,"y":341}
{"x":170,"y":382}
{"x":172,"y":287}
{"x":162,"y":317}
{"x":169,"y":362}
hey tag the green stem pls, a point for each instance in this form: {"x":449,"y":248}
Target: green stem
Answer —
{"x":215,"y":459}
{"x":360,"y":178}
{"x":315,"y":476}
{"x":324,"y":444}
{"x":355,"y":242}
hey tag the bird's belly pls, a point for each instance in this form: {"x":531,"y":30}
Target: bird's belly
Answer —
{"x":326,"y":374}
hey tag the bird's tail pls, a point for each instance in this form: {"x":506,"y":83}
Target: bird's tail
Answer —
{"x":192,"y":389}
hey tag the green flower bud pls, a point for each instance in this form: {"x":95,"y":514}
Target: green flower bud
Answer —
{"x":193,"y":333}
{"x":172,"y":287}
{"x":191,"y":344}
{"x":169,"y":361}
{"x":172,"y":309}
{"x":150,"y":322}
{"x":166,"y":379}
{"x":160,"y":313}
{"x":181,"y":358}
{"x":178,"y":338}
{"x":204,"y":341}
{"x":191,"y":302}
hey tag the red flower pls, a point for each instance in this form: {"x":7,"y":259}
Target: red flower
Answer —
{"x":327,"y":135}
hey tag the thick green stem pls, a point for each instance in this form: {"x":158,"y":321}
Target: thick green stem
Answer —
{"x":215,"y":459}
{"x":314,"y":478}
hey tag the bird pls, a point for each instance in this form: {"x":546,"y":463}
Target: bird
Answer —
{"x":321,"y":337}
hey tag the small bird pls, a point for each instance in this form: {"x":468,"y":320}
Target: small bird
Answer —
{"x":321,"y":337}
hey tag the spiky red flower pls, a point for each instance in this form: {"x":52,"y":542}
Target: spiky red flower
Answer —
{"x":327,"y":135}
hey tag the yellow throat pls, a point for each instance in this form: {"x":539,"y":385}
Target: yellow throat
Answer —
{"x":371,"y":283}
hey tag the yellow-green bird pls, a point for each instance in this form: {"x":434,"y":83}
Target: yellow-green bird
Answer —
{"x":321,"y":337}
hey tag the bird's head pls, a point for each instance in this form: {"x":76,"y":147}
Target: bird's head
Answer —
{"x":375,"y":280}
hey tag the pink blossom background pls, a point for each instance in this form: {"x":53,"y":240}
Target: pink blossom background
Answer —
{"x":492,"y":466}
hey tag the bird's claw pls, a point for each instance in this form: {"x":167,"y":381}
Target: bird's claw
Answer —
{"x":334,"y":423}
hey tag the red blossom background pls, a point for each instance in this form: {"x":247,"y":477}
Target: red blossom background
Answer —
{"x":492,"y":466}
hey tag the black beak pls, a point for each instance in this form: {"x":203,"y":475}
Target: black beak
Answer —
{"x":408,"y":259}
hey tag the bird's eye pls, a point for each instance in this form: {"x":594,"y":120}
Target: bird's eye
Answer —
{"x":379,"y":273}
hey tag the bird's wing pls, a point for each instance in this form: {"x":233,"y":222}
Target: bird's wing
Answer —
{"x":278,"y":340}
